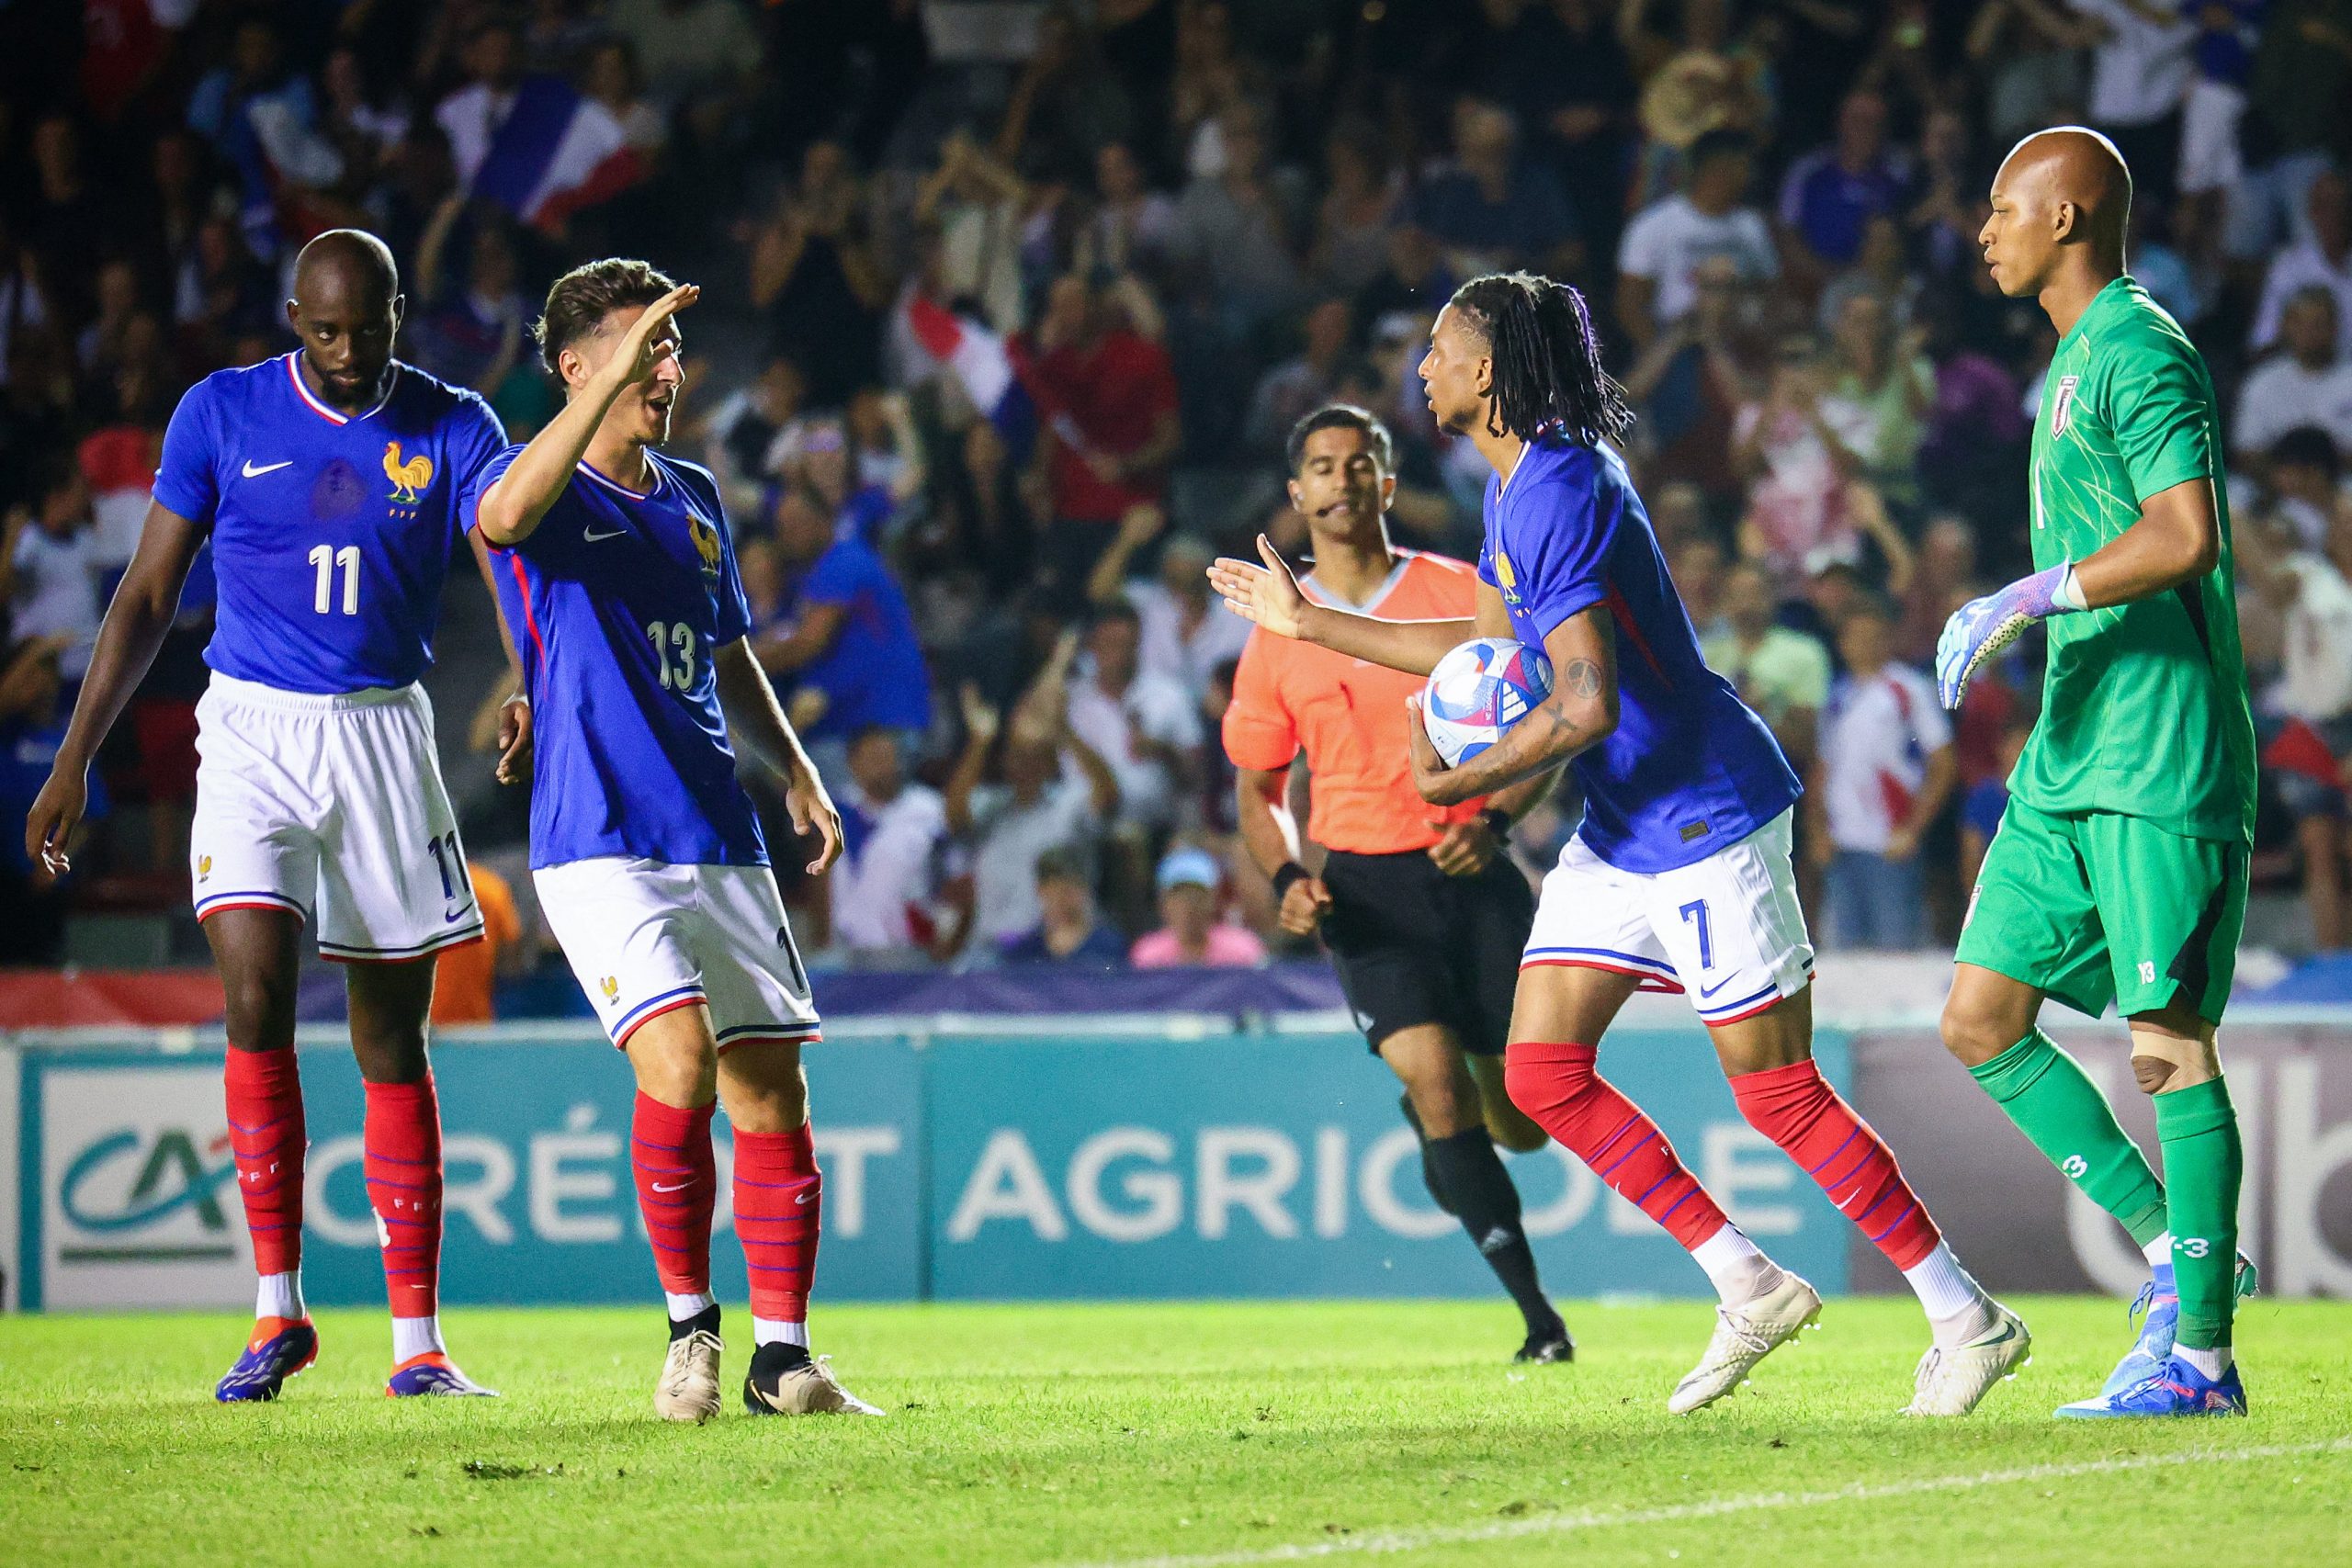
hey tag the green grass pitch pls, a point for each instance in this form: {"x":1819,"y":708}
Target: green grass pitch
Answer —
{"x":1196,"y":1433}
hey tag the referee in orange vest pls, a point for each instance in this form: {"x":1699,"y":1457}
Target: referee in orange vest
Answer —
{"x":1423,"y":912}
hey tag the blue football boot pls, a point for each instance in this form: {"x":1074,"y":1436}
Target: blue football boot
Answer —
{"x":432,"y":1372}
{"x":279,"y":1347}
{"x":2160,"y":1299}
{"x":2177,"y":1389}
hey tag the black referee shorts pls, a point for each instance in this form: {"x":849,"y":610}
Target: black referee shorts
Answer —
{"x":1413,"y":945}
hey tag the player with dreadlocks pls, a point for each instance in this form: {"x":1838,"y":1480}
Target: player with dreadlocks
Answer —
{"x":1679,"y":877}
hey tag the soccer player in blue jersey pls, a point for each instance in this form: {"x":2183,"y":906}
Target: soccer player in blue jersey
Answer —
{"x":616,"y":565}
{"x":327,"y":479}
{"x":1678,"y":878}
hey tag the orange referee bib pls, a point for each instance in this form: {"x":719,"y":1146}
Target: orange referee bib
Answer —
{"x":1350,"y":717}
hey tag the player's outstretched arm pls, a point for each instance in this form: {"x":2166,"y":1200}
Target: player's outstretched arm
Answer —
{"x":1270,"y":596}
{"x":1581,"y":713}
{"x":137,"y":620}
{"x":753,"y":713}
{"x":512,"y":508}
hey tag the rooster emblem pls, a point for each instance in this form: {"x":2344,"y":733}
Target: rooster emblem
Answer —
{"x":408,"y":477}
{"x":705,"y":544}
{"x":611,"y":987}
{"x":203,"y":868}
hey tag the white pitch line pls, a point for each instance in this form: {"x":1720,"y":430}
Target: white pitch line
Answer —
{"x":1394,"y":1542}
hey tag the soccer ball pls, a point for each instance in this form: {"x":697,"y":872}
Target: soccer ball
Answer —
{"x":1479,"y":690}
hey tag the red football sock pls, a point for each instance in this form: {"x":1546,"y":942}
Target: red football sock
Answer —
{"x":1796,"y":1108}
{"x":777,"y":1196}
{"x":1555,"y":1084}
{"x":402,"y":1157}
{"x":677,"y":1186}
{"x":265,"y":1134}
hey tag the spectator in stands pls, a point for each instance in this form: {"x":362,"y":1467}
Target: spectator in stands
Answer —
{"x":2322,"y":261}
{"x":1831,"y":194}
{"x":1238,"y":219}
{"x":2310,"y":587}
{"x":694,"y":54}
{"x":1304,"y":381}
{"x":263,"y":120}
{"x":2303,"y":476}
{"x":1492,"y":209}
{"x":740,"y":440}
{"x":2140,"y":66}
{"x":1186,"y":632}
{"x":1040,"y":803}
{"x":1134,"y":226}
{"x":1784,"y":675}
{"x":887,"y":887}
{"x":2307,"y":382}
{"x":465,"y":977}
{"x":845,"y":651}
{"x":469,"y":327}
{"x":1108,"y":397}
{"x":1146,"y":726}
{"x":977,"y":205}
{"x":1191,"y":935}
{"x":48,"y":570}
{"x":817,"y":276}
{"x":1689,"y":384}
{"x":1881,"y":390}
{"x":1984,"y":802}
{"x":32,"y":727}
{"x":1068,"y":930}
{"x":1886,"y":775}
{"x":1361,"y":202}
{"x":1706,"y":225}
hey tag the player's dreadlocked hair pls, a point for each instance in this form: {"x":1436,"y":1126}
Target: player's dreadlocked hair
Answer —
{"x":1547,"y":360}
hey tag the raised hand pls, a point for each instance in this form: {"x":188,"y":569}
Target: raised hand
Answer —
{"x":1268,"y":596}
{"x":647,"y":343}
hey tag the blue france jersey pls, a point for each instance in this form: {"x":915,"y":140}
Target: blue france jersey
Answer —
{"x":331,"y":532}
{"x":1688,"y":770}
{"x":618,"y":602}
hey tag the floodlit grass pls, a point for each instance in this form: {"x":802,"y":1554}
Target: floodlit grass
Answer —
{"x":1116,"y":1433}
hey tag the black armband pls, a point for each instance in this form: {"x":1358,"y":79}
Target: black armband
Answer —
{"x":1286,"y":876}
{"x":1498,"y":823}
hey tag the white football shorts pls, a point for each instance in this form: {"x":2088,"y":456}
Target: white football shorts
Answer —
{"x":646,"y":939}
{"x":1727,"y":931}
{"x":329,"y":806}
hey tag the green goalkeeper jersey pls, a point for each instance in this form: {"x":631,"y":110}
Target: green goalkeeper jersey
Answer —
{"x":2144,"y":709}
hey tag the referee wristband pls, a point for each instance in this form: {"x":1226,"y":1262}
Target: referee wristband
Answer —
{"x":1497,"y":822}
{"x":1285,"y":874}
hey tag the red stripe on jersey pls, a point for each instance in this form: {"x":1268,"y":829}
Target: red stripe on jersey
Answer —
{"x":531,"y":621}
{"x":1632,"y":633}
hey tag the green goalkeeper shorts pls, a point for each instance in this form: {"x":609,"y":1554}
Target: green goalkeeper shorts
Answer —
{"x":2104,"y":908}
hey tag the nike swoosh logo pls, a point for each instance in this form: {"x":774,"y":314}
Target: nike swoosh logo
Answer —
{"x":804,"y":1198}
{"x":1706,"y":991}
{"x":449,"y":920}
{"x":674,"y":1187}
{"x":253,"y":473}
{"x":589,"y":539}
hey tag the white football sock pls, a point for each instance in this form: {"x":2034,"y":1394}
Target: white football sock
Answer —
{"x":1945,"y":1291}
{"x":280,"y":1295}
{"x":1736,"y":1266}
{"x":2158,"y":1252}
{"x":2212,"y":1363}
{"x":684,"y":1305}
{"x":413,"y":1336}
{"x":770,"y":1331}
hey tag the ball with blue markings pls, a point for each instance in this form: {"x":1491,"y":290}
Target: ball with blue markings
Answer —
{"x":1478,"y":690}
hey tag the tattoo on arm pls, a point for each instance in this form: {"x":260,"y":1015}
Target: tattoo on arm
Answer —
{"x":1581,"y":677}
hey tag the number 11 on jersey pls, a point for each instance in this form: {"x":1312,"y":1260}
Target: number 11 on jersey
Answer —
{"x":327,"y":559}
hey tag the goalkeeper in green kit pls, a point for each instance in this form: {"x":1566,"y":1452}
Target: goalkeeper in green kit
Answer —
{"x":2120,"y":871}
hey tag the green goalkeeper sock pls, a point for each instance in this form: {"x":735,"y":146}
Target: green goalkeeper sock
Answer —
{"x":2198,"y":1128}
{"x":2054,"y":1103}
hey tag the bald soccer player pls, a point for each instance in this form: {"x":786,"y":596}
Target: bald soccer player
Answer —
{"x":2120,"y":871}
{"x":327,"y":481}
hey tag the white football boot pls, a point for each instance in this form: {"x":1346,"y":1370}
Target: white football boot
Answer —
{"x":1744,"y":1335}
{"x":1950,"y":1382}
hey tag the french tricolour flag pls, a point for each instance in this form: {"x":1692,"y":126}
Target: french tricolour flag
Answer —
{"x":981,"y":361}
{"x":554,"y":154}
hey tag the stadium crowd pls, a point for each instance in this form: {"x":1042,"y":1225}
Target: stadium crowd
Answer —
{"x":1010,"y":307}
